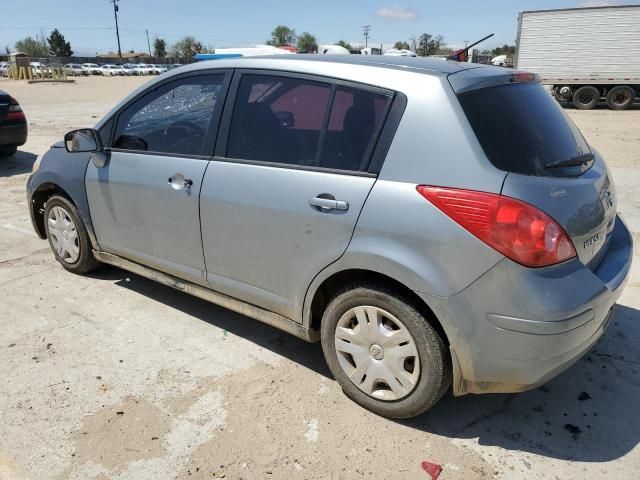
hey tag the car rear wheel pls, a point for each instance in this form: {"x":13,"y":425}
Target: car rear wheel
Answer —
{"x":67,"y":235}
{"x":621,"y":97}
{"x":585,"y":98}
{"x":383,"y":352}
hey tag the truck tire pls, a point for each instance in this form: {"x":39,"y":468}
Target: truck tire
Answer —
{"x":8,"y":151}
{"x":585,"y":98}
{"x":620,"y":97}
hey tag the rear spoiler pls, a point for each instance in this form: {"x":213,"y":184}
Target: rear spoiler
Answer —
{"x":485,"y":77}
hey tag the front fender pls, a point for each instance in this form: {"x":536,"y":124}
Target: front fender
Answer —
{"x":65,"y":171}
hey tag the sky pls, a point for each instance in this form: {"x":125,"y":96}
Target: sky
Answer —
{"x":89,"y":24}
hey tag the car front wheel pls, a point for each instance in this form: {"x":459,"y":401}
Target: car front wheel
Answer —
{"x":383,"y":352}
{"x":67,"y":235}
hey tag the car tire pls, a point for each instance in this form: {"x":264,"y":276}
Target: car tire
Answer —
{"x":433,"y":377}
{"x":59,"y":213}
{"x":8,"y":151}
{"x":620,"y":97}
{"x":586,"y":98}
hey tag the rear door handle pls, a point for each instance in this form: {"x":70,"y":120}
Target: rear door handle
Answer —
{"x":328,"y":204}
{"x":178,"y":182}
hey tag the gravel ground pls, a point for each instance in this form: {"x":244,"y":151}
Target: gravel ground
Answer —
{"x":111,"y":376}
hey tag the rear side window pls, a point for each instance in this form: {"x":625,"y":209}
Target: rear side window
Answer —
{"x":356,"y":116}
{"x":171,"y":119}
{"x":522,"y":129}
{"x":294,"y":121}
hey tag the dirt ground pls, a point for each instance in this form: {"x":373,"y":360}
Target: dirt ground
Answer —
{"x":111,"y":376}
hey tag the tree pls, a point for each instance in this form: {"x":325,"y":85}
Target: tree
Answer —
{"x":186,"y":48}
{"x":282,"y":35}
{"x":344,"y":44}
{"x":58,"y":46}
{"x":159,"y":47}
{"x":429,"y":45}
{"x":402,"y":46}
{"x":33,"y":47}
{"x":307,"y":43}
{"x":509,"y":50}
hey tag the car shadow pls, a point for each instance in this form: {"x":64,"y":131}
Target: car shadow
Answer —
{"x":297,"y":350}
{"x":588,"y":413}
{"x":21,"y":162}
{"x":600,"y":106}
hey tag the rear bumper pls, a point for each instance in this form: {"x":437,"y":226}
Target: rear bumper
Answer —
{"x":515,"y":327}
{"x":13,"y":135}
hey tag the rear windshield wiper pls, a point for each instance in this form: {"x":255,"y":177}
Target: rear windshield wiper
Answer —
{"x":572,"y":162}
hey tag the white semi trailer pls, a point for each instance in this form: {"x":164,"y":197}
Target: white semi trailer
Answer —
{"x":585,"y":55}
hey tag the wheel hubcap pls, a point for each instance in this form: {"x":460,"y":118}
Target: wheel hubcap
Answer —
{"x":63,"y":234}
{"x":621,"y":98}
{"x":377,"y":353}
{"x":586,"y":98}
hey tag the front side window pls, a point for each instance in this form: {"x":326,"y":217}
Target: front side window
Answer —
{"x":294,"y":121}
{"x":174,"y":118}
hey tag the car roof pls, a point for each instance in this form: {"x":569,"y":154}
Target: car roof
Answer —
{"x":426,"y":65}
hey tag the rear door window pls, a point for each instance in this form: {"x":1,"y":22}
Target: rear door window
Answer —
{"x":278,"y":119}
{"x":295,"y":121}
{"x":522,"y":129}
{"x":356,"y":116}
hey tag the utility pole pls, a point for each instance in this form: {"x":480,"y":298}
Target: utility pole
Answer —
{"x":366,"y":29}
{"x":115,"y":14}
{"x":148,"y":43}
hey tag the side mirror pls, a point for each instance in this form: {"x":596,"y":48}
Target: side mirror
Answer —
{"x":83,"y":140}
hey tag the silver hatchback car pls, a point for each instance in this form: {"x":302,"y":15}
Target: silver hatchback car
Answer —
{"x":431,"y":222}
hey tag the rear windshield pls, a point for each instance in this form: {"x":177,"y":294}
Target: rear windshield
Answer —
{"x":522,"y":129}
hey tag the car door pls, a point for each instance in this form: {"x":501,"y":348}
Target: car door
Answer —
{"x":144,"y":201}
{"x":281,"y":199}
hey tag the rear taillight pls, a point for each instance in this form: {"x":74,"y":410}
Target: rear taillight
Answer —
{"x":516,"y":229}
{"x":15,"y":111}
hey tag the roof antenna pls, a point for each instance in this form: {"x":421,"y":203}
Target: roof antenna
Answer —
{"x":463,"y":54}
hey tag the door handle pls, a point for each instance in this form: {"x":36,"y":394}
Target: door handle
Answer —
{"x":327,"y":203}
{"x":178,"y":182}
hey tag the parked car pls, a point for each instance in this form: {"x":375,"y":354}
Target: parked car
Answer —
{"x":40,"y":69}
{"x":76,"y":70}
{"x":130,"y":69}
{"x":153,"y":70}
{"x":4,"y":69}
{"x":145,"y":69}
{"x":159,"y":68}
{"x":13,"y":125}
{"x":111,"y":70}
{"x":303,"y":192}
{"x":93,"y":68}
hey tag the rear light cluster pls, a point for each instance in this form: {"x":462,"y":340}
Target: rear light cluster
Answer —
{"x":516,"y":229}
{"x":524,"y":77}
{"x":15,"y":111}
